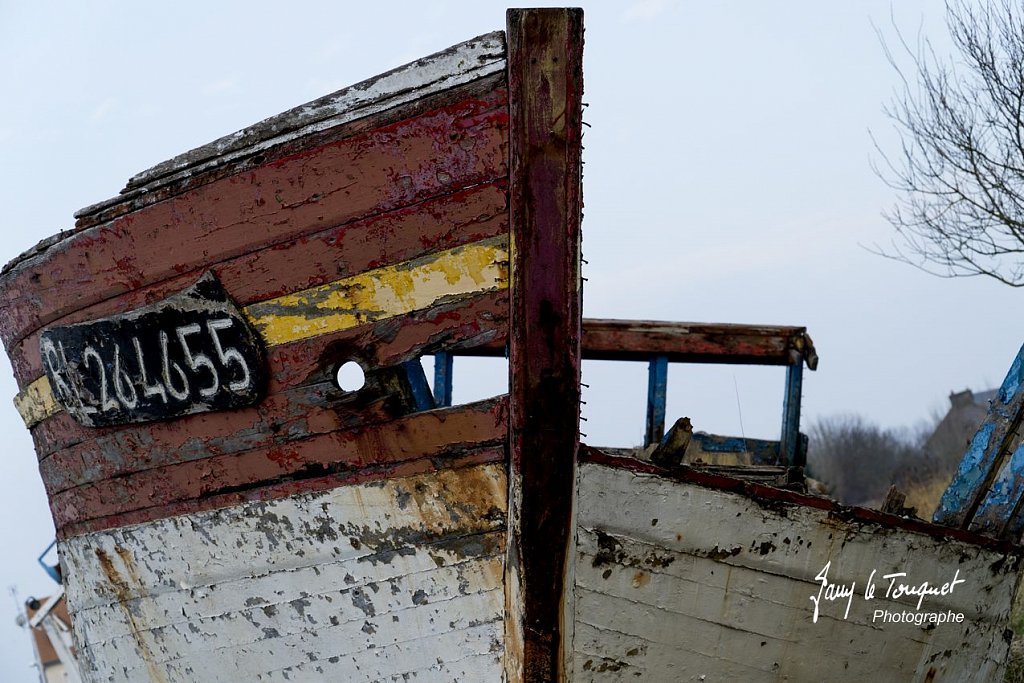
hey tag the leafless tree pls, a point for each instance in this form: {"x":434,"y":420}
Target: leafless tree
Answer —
{"x":960,"y":167}
{"x":858,"y":460}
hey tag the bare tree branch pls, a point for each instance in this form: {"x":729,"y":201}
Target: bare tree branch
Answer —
{"x":959,"y":169}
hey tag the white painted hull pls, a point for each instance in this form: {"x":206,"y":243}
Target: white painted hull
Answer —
{"x":679,"y":582}
{"x":383,"y":580}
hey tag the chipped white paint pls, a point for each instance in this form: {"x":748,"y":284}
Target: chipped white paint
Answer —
{"x":458,"y":65}
{"x":364,"y":582}
{"x":679,"y":582}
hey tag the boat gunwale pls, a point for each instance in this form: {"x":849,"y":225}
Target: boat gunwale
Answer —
{"x":773,"y":496}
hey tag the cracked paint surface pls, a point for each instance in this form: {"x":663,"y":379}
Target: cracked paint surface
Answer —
{"x":392,"y":577}
{"x":659,"y":597}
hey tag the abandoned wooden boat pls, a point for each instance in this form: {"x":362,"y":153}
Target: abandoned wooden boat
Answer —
{"x":228,"y":510}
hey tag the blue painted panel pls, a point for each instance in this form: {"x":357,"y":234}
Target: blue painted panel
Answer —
{"x":995,"y":514}
{"x":986,"y":455}
{"x":762,"y":452}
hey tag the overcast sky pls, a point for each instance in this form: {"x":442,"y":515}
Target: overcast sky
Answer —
{"x":727,"y":179}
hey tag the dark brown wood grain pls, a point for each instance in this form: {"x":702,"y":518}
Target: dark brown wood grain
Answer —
{"x":680,"y":342}
{"x":696,"y":342}
{"x":545,"y":107}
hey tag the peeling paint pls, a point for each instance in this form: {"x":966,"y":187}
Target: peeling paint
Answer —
{"x":729,"y":598}
{"x":167,"y":597}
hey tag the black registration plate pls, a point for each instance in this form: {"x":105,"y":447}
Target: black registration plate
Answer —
{"x":190,"y":353}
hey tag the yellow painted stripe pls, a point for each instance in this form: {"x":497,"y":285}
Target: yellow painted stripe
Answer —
{"x":382,"y":293}
{"x":35,"y":402}
{"x":378,"y":294}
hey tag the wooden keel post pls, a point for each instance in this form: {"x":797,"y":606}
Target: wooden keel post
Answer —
{"x":545,"y":66}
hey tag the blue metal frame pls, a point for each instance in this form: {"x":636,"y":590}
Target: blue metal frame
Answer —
{"x":657,"y":389}
{"x":443,"y":362}
{"x":789,"y":440}
{"x":418,"y":384}
{"x":792,"y":445}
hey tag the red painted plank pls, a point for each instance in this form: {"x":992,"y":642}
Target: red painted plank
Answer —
{"x":289,"y":416}
{"x":696,"y":342}
{"x":438,"y":223}
{"x":282,"y":489}
{"x":394,"y":166}
{"x":381,"y":344}
{"x":447,"y":431}
{"x":545,"y":107}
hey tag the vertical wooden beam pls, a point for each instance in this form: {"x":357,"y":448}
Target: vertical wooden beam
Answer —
{"x":545,"y":62}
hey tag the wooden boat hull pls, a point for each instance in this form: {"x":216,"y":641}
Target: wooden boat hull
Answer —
{"x":226,"y":510}
{"x":391,"y":579}
{"x":663,"y":597}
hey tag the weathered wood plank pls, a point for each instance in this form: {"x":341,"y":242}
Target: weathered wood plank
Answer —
{"x":481,"y":667}
{"x":343,"y":587}
{"x":462,"y":63}
{"x":999,"y":513}
{"x":287,"y":487}
{"x":280,"y":420}
{"x":382,"y":570}
{"x":684,"y":342}
{"x":364,"y":511}
{"x":374,"y":296}
{"x":545,"y":54}
{"x":36,"y":402}
{"x":663,"y":596}
{"x":772,"y":497}
{"x":246,"y":163}
{"x":450,"y":431}
{"x":382,"y":170}
{"x":443,"y":222}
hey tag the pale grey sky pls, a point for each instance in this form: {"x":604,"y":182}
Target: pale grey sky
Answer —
{"x":727,"y":179}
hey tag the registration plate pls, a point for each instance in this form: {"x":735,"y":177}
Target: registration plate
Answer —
{"x":193,"y":352}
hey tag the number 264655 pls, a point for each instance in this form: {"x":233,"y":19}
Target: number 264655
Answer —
{"x":183,"y":364}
